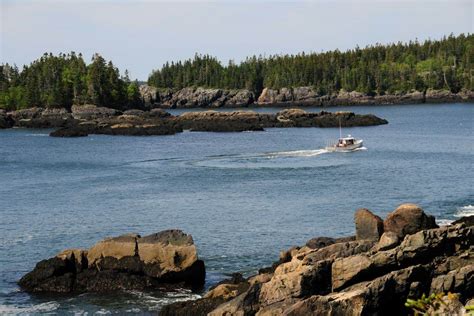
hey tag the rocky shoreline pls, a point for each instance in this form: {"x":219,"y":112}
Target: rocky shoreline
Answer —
{"x":375,"y":272}
{"x":288,"y":97}
{"x":89,"y":119}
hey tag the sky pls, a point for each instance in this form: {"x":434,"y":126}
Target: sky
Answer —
{"x":142,"y":35}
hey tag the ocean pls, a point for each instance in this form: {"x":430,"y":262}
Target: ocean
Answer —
{"x":243,"y":196}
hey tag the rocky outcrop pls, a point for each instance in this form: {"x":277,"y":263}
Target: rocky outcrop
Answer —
{"x":408,"y":219}
{"x":307,"y":96}
{"x":212,"y":121}
{"x":41,"y":118}
{"x":90,"y":119}
{"x":6,"y":120}
{"x":191,"y":97}
{"x":164,"y":260}
{"x":366,"y":276}
{"x":92,"y":112}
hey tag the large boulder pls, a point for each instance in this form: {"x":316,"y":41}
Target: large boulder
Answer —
{"x":408,"y":219}
{"x":368,"y":225}
{"x":163,"y":260}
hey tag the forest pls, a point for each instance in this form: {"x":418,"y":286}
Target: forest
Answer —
{"x":66,"y":79}
{"x":378,"y":69}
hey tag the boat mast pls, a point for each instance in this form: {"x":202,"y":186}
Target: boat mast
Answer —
{"x":340,"y":128}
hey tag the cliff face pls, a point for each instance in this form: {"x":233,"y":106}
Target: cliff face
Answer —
{"x":374,"y":273}
{"x":300,"y":96}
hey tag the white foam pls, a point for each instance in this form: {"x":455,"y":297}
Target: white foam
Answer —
{"x":467,"y":210}
{"x":297,"y":153}
{"x":37,"y":135}
{"x":39,"y":308}
{"x":444,"y":222}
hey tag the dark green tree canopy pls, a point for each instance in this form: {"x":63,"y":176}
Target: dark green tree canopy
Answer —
{"x":64,"y":80}
{"x":378,"y":69}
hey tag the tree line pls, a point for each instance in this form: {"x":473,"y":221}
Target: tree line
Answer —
{"x":378,"y":69}
{"x":64,"y":80}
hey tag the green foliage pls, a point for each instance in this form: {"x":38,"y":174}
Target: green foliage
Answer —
{"x":64,"y":80}
{"x":431,"y":305}
{"x":444,"y":64}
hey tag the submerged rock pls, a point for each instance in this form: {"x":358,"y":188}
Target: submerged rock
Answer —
{"x":163,"y":260}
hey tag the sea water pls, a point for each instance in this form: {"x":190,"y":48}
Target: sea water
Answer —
{"x":243,"y":196}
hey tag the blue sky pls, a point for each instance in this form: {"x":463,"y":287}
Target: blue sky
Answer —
{"x":142,"y":35}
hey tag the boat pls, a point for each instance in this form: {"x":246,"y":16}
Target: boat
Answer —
{"x":344,"y":144}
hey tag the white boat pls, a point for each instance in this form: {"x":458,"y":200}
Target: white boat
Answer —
{"x":344,"y":144}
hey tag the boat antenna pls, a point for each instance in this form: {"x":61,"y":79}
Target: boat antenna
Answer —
{"x":340,"y":128}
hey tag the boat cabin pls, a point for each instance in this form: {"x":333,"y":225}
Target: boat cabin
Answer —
{"x":346,"y":141}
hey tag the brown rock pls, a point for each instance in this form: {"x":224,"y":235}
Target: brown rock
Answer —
{"x":408,"y":219}
{"x":116,"y":247}
{"x":388,"y":240}
{"x":368,"y":225}
{"x":172,"y":250}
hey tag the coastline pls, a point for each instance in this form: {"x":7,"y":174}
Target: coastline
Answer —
{"x":192,"y":97}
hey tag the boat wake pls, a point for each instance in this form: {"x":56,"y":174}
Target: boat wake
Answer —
{"x":296,"y":153}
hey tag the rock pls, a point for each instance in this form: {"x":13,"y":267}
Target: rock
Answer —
{"x":457,"y":281}
{"x":69,"y":132}
{"x":168,"y":251}
{"x":161,"y":260}
{"x":304,"y":94}
{"x":149,"y":95}
{"x":159,"y":113}
{"x":466,"y":220}
{"x":308,"y":272}
{"x":6,"y":120}
{"x":116,"y":247}
{"x":440,"y":96}
{"x":236,"y":98}
{"x":368,"y":225}
{"x":212,"y":121}
{"x":408,"y":219}
{"x":388,"y":240}
{"x":267,"y":96}
{"x":41,"y":118}
{"x":92,"y":112}
{"x":419,"y":248}
{"x":320,"y":242}
{"x":385,"y":295}
{"x":352,"y":277}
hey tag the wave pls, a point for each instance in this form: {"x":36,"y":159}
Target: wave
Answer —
{"x":15,"y":241}
{"x":444,"y":222}
{"x":467,"y":210}
{"x":37,"y":135}
{"x":39,"y":308}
